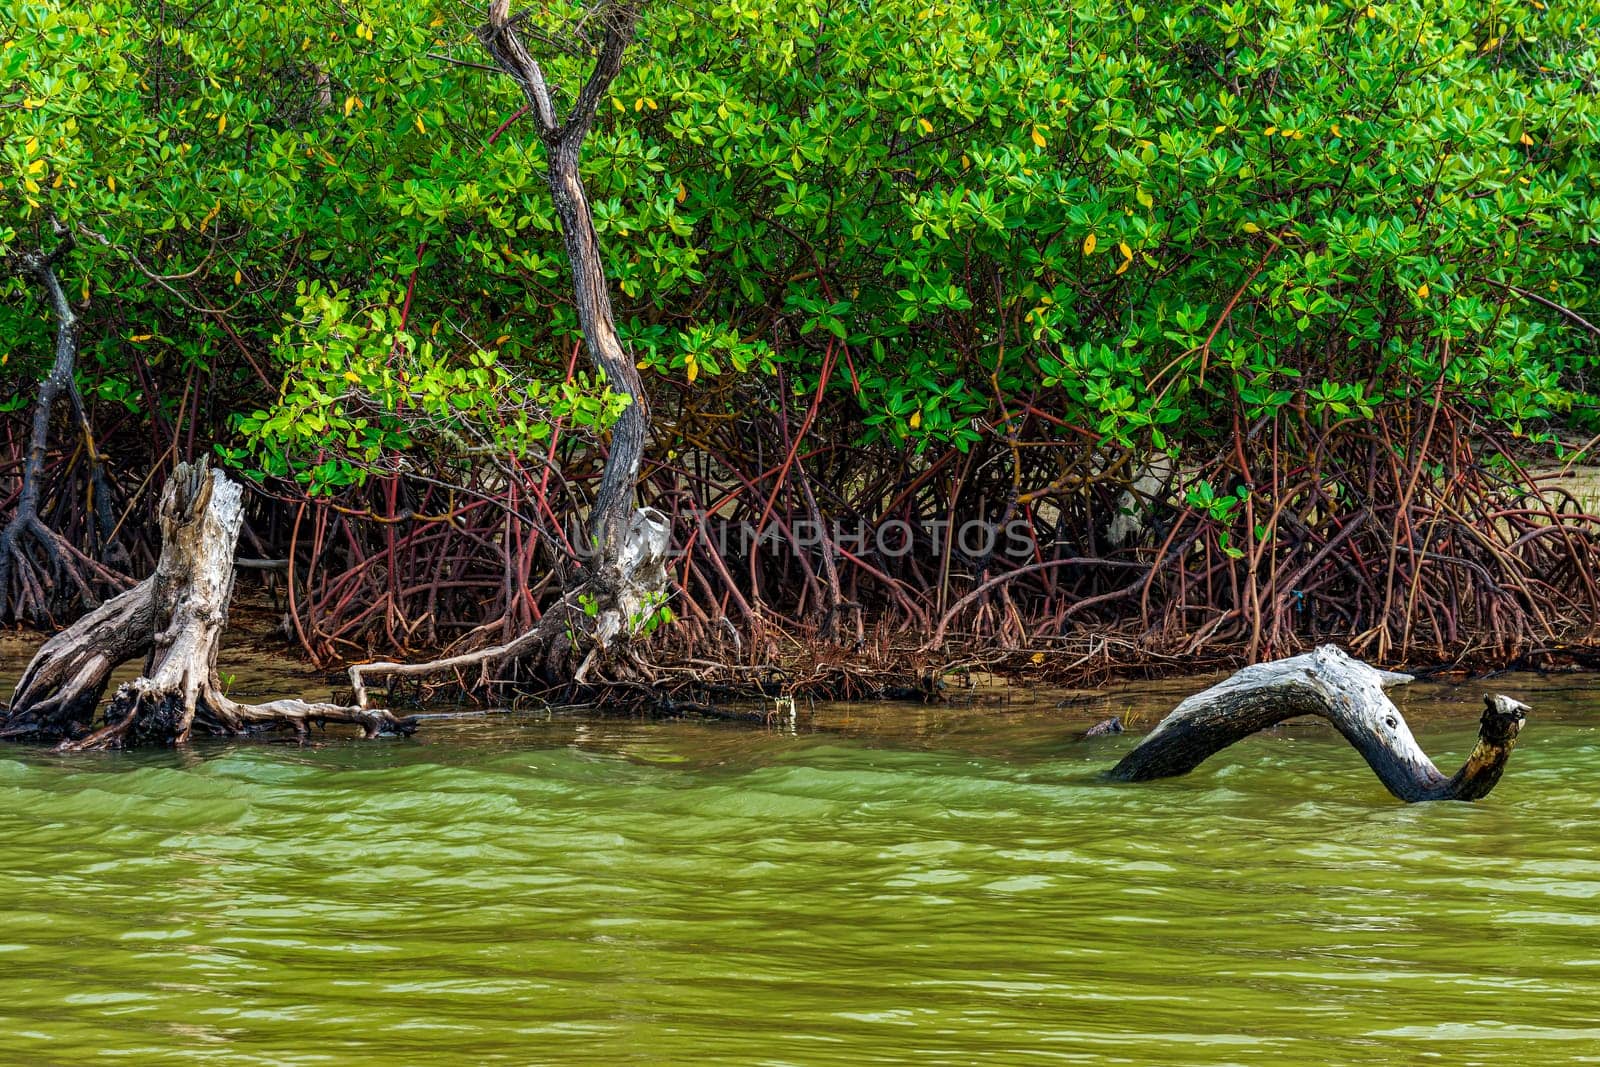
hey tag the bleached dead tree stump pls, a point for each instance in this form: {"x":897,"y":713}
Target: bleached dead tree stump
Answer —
{"x":1349,"y":694}
{"x":176,"y":618}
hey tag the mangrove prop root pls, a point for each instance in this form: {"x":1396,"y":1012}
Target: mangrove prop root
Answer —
{"x":1350,"y":695}
{"x":176,"y":616}
{"x":590,"y":619}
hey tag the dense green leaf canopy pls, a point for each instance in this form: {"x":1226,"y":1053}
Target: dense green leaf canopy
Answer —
{"x":1142,"y":219}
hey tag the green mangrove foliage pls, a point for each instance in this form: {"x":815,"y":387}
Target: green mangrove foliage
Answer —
{"x":1148,"y":210}
{"x":321,"y":230}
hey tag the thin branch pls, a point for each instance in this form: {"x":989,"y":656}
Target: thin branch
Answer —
{"x":620,"y":18}
{"x":464,"y":63}
{"x":1551,"y":304}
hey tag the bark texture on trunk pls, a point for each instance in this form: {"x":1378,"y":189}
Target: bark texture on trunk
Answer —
{"x":626,"y":576}
{"x":64,"y":682}
{"x":26,"y":586}
{"x":1349,"y":694}
{"x":610,"y":520}
{"x":175,"y":618}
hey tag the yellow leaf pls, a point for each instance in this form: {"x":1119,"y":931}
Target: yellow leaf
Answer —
{"x":691,"y":370}
{"x":141,"y":337}
{"x":965,"y":162}
{"x":364,"y":31}
{"x":927,"y":127}
{"x":1038,"y":138}
{"x":1251,"y":227}
{"x":638,"y":105}
{"x":1422,"y":290}
{"x":1088,"y":244}
{"x":36,"y":166}
{"x":238,"y":277}
{"x":1124,"y":265}
{"x":502,"y":339}
{"x":33,"y":146}
{"x":1038,"y":658}
{"x":1145,"y":198}
{"x":349,"y":104}
{"x":1372,"y":12}
{"x":215,"y":208}
{"x":1490,"y":44}
{"x":649,"y":103}
{"x":351,"y":376}
{"x":916,"y":418}
{"x":111,"y":183}
{"x":420,"y":127}
{"x":222,"y":123}
{"x":438,"y":20}
{"x":1127,"y":253}
{"x":1335,"y":130}
{"x":57,"y":183}
{"x":1526,"y":139}
{"x":683,"y":193}
{"x":617,"y":104}
{"x":1270,"y":130}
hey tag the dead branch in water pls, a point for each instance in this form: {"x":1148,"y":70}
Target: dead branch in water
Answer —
{"x":1349,"y":694}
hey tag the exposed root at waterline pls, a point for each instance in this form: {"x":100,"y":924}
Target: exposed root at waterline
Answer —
{"x":176,"y":616}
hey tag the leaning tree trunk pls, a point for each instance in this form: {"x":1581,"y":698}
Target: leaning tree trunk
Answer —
{"x":626,"y":579}
{"x":176,"y":617}
{"x":1350,"y":695}
{"x":26,"y":582}
{"x":611,"y":519}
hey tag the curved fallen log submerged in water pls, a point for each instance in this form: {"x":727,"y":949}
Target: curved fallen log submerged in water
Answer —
{"x":176,"y":618}
{"x":1349,"y":694}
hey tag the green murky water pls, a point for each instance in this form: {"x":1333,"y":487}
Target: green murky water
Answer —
{"x":899,"y":885}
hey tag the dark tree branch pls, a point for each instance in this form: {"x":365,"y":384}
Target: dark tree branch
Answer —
{"x":621,"y":20}
{"x":1560,"y":309}
{"x":41,"y":268}
{"x":627,"y":578}
{"x":614,"y":501}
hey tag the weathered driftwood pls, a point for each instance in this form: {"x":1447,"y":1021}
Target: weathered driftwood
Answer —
{"x":1350,"y":695}
{"x":63,"y":683}
{"x":176,"y":618}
